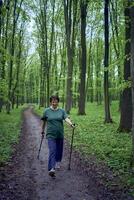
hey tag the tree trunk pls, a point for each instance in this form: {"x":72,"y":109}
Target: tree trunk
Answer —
{"x":115,"y":33}
{"x":68,"y":24}
{"x":4,"y":19}
{"x":82,"y":97}
{"x":0,"y":17}
{"x":89,"y":92}
{"x":70,"y":44}
{"x":46,"y":60}
{"x":126,"y":97}
{"x":1,"y":70}
{"x":98,"y":70}
{"x":132,"y":76}
{"x":106,"y":63}
{"x":11,"y":60}
{"x":12,"y":50}
{"x":18,"y":65}
{"x":52,"y":34}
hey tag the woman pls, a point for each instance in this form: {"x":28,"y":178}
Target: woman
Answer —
{"x":53,"y":120}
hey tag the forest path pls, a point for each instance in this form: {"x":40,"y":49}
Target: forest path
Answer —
{"x":26,"y":177}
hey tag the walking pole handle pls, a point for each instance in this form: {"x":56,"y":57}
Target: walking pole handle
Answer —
{"x":73,"y":126}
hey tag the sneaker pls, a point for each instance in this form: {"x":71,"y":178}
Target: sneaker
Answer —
{"x":57,"y":166}
{"x":52,"y":172}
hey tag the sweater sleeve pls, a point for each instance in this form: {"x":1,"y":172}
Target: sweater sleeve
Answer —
{"x":44,"y":117}
{"x":64,"y":114}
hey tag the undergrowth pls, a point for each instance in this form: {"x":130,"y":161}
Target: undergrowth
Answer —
{"x":9,"y":133}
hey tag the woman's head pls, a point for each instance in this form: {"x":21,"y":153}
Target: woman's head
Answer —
{"x":54,"y":100}
{"x":54,"y":97}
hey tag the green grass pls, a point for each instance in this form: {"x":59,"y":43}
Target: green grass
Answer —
{"x":103,"y":140}
{"x":94,"y":138}
{"x":9,"y":133}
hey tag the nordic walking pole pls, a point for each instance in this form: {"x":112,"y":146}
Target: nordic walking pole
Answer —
{"x":42,"y":137}
{"x":71,"y":148}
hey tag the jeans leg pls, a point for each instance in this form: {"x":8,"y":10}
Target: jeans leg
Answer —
{"x":52,"y":153}
{"x":59,"y":149}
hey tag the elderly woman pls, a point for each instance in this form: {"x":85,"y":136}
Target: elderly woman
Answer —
{"x":53,"y":121}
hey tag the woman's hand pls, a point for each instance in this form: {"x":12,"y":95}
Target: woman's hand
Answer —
{"x":43,"y":133}
{"x":73,"y":126}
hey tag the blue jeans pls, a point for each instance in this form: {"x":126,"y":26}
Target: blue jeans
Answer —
{"x":55,"y":151}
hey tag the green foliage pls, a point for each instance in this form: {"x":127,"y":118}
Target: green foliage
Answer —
{"x":3,"y":89}
{"x":9,"y":133}
{"x":125,"y":84}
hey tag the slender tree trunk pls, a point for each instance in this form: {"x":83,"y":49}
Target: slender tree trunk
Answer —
{"x":0,"y":17}
{"x":70,"y":22}
{"x":46,"y":60}
{"x":3,"y":41}
{"x":50,"y":54}
{"x":98,"y":70}
{"x":41,"y":21}
{"x":89,"y":75}
{"x":52,"y":35}
{"x":115,"y":33}
{"x":41,"y":42}
{"x":82,"y":98}
{"x":55,"y":67}
{"x":5,"y":38}
{"x":106,"y":63}
{"x":1,"y":70}
{"x":18,"y":67}
{"x":132,"y":76}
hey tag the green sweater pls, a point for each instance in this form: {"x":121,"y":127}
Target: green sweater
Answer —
{"x":54,"y":119}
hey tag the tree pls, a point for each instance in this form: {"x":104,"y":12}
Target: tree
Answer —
{"x":4,"y":19}
{"x":1,"y":3}
{"x":70,"y":44}
{"x":82,"y":97}
{"x":18,"y":63}
{"x":16,"y":14}
{"x":126,"y":96}
{"x":98,"y":71}
{"x":106,"y":64}
{"x":117,"y":45}
{"x":89,"y":84}
{"x":132,"y":76}
{"x":45,"y":13}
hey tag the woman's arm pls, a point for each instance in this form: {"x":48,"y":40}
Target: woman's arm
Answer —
{"x":43,"y":126}
{"x":69,"y":122}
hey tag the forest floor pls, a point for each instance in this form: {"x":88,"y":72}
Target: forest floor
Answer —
{"x":26,"y":178}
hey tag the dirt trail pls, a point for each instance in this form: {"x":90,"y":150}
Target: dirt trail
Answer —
{"x":26,"y":177}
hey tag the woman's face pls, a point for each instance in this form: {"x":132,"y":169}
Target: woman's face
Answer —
{"x":54,"y":103}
